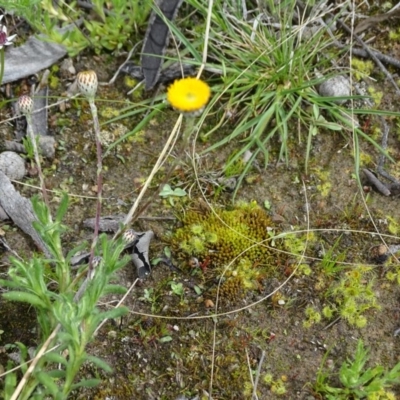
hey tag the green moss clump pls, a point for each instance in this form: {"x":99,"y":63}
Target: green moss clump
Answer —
{"x":235,"y":243}
{"x":110,"y":112}
{"x":376,"y":95}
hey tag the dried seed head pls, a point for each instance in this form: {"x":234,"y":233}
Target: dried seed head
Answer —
{"x":5,"y":40}
{"x":25,"y":104}
{"x":129,"y":236}
{"x":87,"y":83}
{"x":96,"y":261}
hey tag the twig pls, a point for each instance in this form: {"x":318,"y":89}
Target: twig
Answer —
{"x":332,"y":323}
{"x":25,"y":105}
{"x":381,"y":187}
{"x":112,"y":80}
{"x":255,"y":397}
{"x":361,"y":52}
{"x":372,"y":55}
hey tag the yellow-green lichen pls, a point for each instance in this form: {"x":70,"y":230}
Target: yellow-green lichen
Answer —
{"x":360,"y":68}
{"x":324,"y":187}
{"x":109,"y":112}
{"x":376,"y":95}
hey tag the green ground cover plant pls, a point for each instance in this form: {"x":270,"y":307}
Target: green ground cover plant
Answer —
{"x":101,"y":25}
{"x":270,"y":62}
{"x":66,"y":307}
{"x":275,"y":104}
{"x":357,"y":381}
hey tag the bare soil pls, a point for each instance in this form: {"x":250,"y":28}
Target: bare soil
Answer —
{"x":223,"y":352}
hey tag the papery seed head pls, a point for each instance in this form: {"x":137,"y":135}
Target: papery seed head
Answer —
{"x":87,"y":83}
{"x":5,"y":40}
{"x":129,"y":236}
{"x":96,"y":261}
{"x":25,"y":104}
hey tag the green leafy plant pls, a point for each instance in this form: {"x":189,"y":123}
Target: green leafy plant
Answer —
{"x":169,"y":193}
{"x":178,"y":289}
{"x":108,"y":26}
{"x":277,"y":386}
{"x":149,"y":296}
{"x":353,"y":295}
{"x":66,"y":307}
{"x":270,"y":70}
{"x":357,"y":381}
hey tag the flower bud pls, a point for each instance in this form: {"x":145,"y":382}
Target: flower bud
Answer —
{"x":129,"y":236}
{"x":25,"y":105}
{"x":87,"y":83}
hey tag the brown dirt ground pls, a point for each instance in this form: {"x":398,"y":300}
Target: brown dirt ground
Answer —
{"x":144,"y":366}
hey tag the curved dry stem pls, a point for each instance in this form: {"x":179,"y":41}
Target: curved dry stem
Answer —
{"x":156,"y":167}
{"x":34,"y":362}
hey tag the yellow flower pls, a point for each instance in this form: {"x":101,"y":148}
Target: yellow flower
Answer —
{"x":188,"y":95}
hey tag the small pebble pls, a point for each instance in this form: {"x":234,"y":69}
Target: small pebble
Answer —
{"x":337,"y":86}
{"x":12,"y":165}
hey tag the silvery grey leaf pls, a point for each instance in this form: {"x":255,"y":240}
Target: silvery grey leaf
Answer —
{"x":33,"y":56}
{"x":140,"y":255}
{"x":156,"y":40}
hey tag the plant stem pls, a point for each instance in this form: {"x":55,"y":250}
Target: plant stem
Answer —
{"x":187,"y":132}
{"x":1,"y":65}
{"x":96,"y":128}
{"x":37,"y":158}
{"x":161,"y":159}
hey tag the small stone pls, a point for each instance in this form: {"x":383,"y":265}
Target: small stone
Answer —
{"x":67,"y":68}
{"x":208,"y":303}
{"x":47,"y":145}
{"x":337,"y":86}
{"x":12,"y":165}
{"x":112,"y":334}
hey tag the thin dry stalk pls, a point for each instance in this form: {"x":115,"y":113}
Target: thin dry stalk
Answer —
{"x":157,"y":166}
{"x":34,"y":362}
{"x":255,"y":397}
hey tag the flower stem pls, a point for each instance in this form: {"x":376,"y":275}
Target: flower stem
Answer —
{"x":32,"y":137}
{"x":96,"y":128}
{"x":187,"y":132}
{"x":1,"y":65}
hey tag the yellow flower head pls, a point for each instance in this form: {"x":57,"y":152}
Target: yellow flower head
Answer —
{"x":188,"y":95}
